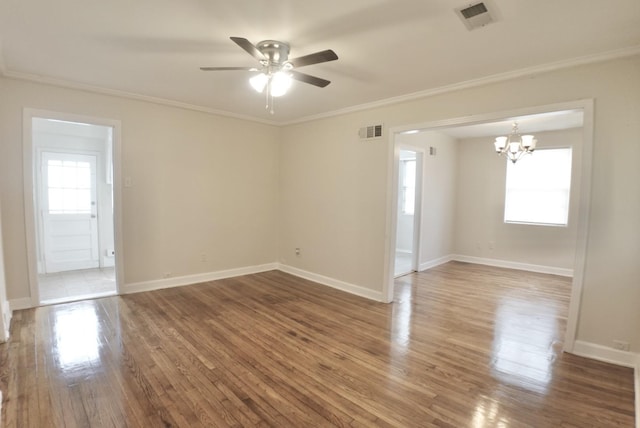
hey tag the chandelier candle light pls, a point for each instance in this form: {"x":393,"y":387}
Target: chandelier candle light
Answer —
{"x":515,"y":145}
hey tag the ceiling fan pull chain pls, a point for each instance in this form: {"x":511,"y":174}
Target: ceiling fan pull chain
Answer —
{"x":269,"y":105}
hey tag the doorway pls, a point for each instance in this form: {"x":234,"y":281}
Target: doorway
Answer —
{"x":73,"y":210}
{"x":407,"y":239}
{"x":585,"y":111}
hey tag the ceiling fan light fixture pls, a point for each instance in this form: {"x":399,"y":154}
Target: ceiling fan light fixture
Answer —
{"x":276,"y":72}
{"x":280,"y":83}
{"x":259,"y":82}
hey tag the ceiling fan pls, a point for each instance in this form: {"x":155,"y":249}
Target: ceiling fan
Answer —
{"x":276,"y":70}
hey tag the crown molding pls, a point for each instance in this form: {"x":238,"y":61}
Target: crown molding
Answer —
{"x":130,"y":95}
{"x":495,"y":78}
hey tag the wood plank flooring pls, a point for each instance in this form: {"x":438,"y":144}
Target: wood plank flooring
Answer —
{"x":463,"y":346}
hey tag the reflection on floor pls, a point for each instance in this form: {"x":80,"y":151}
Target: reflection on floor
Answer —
{"x":76,"y":285}
{"x":403,"y":264}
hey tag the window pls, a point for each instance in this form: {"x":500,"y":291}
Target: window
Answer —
{"x":538,"y":188}
{"x":69,"y":187}
{"x":408,"y":185}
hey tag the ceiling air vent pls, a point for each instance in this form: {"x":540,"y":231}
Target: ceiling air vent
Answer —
{"x":476,"y":15}
{"x":369,"y":132}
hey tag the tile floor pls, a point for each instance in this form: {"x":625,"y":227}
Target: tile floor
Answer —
{"x":403,"y":264}
{"x":76,"y":285}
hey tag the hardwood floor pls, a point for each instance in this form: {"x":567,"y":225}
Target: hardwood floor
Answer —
{"x":463,"y":346}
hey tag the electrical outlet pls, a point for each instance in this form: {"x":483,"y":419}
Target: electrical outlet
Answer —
{"x":203,"y":257}
{"x":297,"y":251}
{"x":621,"y":345}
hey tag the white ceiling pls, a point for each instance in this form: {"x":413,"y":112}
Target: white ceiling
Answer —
{"x":552,"y":121}
{"x":387,"y":48}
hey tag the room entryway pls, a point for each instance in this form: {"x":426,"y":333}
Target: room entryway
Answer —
{"x":73,"y":198}
{"x":407,"y":241}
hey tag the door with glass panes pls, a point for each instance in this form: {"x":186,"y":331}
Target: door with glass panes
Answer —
{"x":69,"y":212}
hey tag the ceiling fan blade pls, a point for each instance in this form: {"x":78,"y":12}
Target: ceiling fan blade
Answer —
{"x":228,"y":68}
{"x":249,"y":47}
{"x":307,"y":78}
{"x":314,"y":58}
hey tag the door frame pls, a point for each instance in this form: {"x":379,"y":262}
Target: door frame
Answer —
{"x":417,"y":212}
{"x":584,"y":203}
{"x":29,"y":160}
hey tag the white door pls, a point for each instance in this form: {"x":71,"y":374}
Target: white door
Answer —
{"x":69,"y":212}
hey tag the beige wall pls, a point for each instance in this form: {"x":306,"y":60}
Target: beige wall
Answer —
{"x":333,"y":187}
{"x":332,"y":201}
{"x":202,"y":184}
{"x":480,"y":207}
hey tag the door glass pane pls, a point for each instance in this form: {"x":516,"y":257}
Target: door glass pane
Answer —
{"x":83,"y":200}
{"x":55,"y":176}
{"x":83,"y":177}
{"x":68,"y":176}
{"x":69,"y":187}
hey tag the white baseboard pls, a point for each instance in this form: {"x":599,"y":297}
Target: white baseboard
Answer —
{"x":333,"y":283}
{"x":605,"y":354}
{"x":21,"y":303}
{"x":180,"y":281}
{"x":514,"y":265}
{"x":8,"y":314}
{"x":435,"y":262}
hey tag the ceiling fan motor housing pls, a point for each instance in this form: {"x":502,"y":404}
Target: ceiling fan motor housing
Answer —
{"x":275,"y":52}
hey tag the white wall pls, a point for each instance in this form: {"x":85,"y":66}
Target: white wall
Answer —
{"x":480,"y":229}
{"x":333,"y":188}
{"x":201,"y":184}
{"x":439,"y":190}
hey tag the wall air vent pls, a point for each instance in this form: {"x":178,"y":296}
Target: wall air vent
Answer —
{"x":475,"y":15}
{"x":370,"y":132}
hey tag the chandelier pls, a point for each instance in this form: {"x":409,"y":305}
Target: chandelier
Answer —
{"x":515,"y":145}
